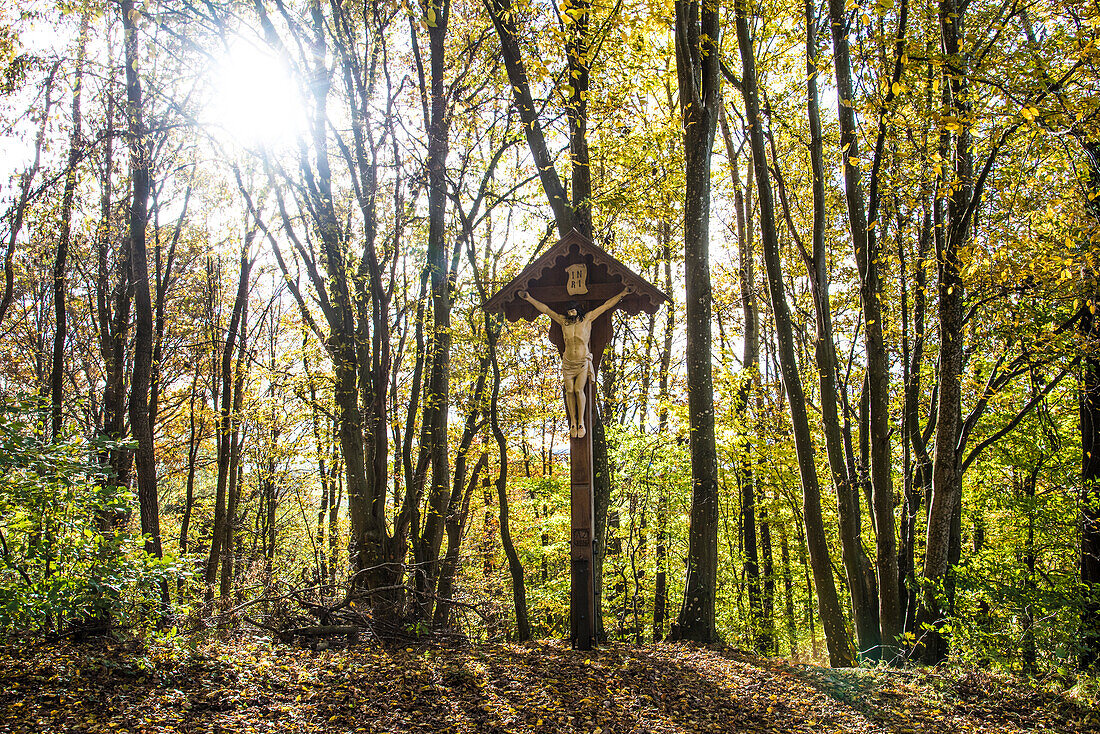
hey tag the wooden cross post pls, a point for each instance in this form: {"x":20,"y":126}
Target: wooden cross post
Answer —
{"x":578,"y":286}
{"x":582,"y":529}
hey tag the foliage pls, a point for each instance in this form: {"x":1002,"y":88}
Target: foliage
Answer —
{"x":67,"y":561}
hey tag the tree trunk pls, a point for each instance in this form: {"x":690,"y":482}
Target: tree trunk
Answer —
{"x":140,"y":424}
{"x":840,"y":651}
{"x":1028,"y":650}
{"x":601,"y":500}
{"x":749,"y":384}
{"x":456,"y":523}
{"x":515,"y":568}
{"x":861,"y":581}
{"x":193,"y":438}
{"x":458,"y":503}
{"x":697,"y":37}
{"x":504,"y":14}
{"x":225,"y":398}
{"x":788,"y":592}
{"x":64,"y":237}
{"x":945,"y":507}
{"x":437,"y":391}
{"x":862,"y":225}
{"x":767,"y":619}
{"x":113,"y":316}
{"x":1090,"y":446}
{"x":233,"y":488}
{"x":660,"y":589}
{"x":918,"y":474}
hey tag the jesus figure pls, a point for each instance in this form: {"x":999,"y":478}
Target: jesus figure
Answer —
{"x":576,"y":361}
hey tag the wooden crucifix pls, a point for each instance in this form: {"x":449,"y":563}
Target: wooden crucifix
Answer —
{"x":578,"y":286}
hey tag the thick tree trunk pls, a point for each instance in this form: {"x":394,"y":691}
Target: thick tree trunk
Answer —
{"x":945,"y":506}
{"x":140,"y":424}
{"x":437,"y":391}
{"x":864,"y":240}
{"x":697,"y":35}
{"x":840,"y":650}
{"x":504,"y":15}
{"x":861,"y":581}
{"x":578,"y":58}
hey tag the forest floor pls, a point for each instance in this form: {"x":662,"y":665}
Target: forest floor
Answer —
{"x":247,"y":685}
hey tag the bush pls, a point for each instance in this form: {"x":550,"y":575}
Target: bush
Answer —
{"x":66,"y":558}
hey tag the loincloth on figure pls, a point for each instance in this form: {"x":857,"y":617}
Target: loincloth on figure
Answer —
{"x":574,"y":368}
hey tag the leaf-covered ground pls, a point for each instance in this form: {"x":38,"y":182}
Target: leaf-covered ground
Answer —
{"x":251,"y":686}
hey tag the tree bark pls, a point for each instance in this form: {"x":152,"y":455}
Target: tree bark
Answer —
{"x":193,"y":440}
{"x":945,"y":506}
{"x":515,"y":568}
{"x":57,"y":369}
{"x":1090,"y":441}
{"x":437,"y":391}
{"x":225,"y":399}
{"x":456,"y":523}
{"x":458,"y":505}
{"x":862,"y":225}
{"x":749,"y":384}
{"x":660,"y":589}
{"x":113,"y":303}
{"x":140,"y":424}
{"x":917,"y":464}
{"x":503,"y":14}
{"x":861,"y":581}
{"x":840,"y":651}
{"x":788,"y":592}
{"x":233,"y":487}
{"x":697,"y":37}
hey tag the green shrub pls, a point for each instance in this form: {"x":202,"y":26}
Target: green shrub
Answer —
{"x":66,"y":558}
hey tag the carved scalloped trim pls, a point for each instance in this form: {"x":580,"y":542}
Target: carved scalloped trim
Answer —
{"x":646,"y":297}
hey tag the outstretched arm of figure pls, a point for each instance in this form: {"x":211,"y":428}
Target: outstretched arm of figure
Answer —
{"x":609,"y":303}
{"x":541,"y":307}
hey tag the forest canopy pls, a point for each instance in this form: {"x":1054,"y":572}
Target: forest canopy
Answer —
{"x":247,"y":379}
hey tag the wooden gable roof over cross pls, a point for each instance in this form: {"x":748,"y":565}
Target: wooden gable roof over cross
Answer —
{"x":546,"y":279}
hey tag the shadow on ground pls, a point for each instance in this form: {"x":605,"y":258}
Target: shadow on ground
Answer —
{"x":544,"y":687}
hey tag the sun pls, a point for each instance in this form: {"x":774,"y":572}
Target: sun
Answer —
{"x":256,"y":100}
